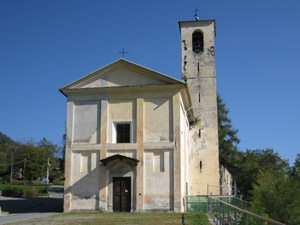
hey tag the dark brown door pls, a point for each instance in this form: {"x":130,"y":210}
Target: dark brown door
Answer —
{"x":121,"y":194}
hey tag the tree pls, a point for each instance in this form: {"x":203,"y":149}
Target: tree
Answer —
{"x":36,"y":162}
{"x":228,"y":140}
{"x":3,"y":163}
{"x":252,"y":163}
{"x":62,"y":167}
{"x":277,"y":196}
{"x":53,"y":152}
{"x":295,"y":170}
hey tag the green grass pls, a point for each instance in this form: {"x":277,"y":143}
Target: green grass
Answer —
{"x":19,"y":190}
{"x":93,"y":218}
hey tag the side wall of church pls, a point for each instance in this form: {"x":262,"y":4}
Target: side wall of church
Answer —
{"x":226,"y":181}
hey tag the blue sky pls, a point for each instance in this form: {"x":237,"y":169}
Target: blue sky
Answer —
{"x":45,"y":45}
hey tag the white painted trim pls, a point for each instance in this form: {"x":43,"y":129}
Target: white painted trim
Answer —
{"x":113,"y":129}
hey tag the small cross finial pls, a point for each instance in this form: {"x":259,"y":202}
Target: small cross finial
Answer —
{"x":196,"y":14}
{"x":123,"y":52}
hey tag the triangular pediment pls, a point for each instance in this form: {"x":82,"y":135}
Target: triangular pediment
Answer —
{"x":121,"y":73}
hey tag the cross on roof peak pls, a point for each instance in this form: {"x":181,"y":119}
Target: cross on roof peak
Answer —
{"x":123,"y":52}
{"x":196,"y":14}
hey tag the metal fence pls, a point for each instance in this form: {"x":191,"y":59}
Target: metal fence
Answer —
{"x":225,"y":213}
{"x":196,"y":203}
{"x":238,"y":202}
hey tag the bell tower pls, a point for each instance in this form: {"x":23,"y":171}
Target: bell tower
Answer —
{"x":199,"y":72}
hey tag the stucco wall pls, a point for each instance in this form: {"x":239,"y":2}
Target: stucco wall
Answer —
{"x":121,"y":77}
{"x":84,"y":183}
{"x":158,"y":183}
{"x":121,"y":111}
{"x":199,"y":71}
{"x":226,"y":181}
{"x":86,"y":124}
{"x":158,"y":120}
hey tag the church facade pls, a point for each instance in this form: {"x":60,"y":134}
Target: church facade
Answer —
{"x":139,"y":140}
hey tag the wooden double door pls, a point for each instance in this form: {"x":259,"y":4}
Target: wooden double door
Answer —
{"x":121,"y":194}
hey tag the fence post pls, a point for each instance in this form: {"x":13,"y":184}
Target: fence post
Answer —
{"x":235,"y":188}
{"x":235,"y":217}
{"x":207,"y":202}
{"x":217,"y":212}
{"x":228,"y":212}
{"x":212,"y":206}
{"x":223,"y":214}
{"x":207,"y":189}
{"x":246,"y":219}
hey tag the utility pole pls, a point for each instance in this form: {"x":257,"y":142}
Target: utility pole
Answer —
{"x":12,"y":163}
{"x":48,"y":165}
{"x":24,"y":168}
{"x":235,"y":192}
{"x":11,"y":166}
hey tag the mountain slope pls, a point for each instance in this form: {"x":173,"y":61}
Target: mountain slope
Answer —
{"x":5,"y":140}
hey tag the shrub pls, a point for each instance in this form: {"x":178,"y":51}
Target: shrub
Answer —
{"x":6,"y":179}
{"x":32,"y":192}
{"x":11,"y":192}
{"x":58,"y":182}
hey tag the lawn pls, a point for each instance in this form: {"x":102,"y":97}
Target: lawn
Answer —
{"x":92,"y":218}
{"x":23,"y":190}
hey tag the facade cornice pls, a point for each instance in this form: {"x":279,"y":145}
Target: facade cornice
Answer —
{"x":123,"y":89}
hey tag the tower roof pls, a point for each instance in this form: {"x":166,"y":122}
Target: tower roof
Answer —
{"x":197,"y":23}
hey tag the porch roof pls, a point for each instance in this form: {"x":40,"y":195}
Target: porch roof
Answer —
{"x":119,"y":157}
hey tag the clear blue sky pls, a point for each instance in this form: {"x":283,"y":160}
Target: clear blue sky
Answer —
{"x":45,"y":45}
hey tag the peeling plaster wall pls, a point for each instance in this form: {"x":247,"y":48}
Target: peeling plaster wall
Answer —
{"x":85,"y":184}
{"x":86,"y":124}
{"x":158,"y":120}
{"x":226,"y":180}
{"x":199,"y":71}
{"x":158,"y":186}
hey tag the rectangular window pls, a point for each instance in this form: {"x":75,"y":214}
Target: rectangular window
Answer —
{"x":123,"y":132}
{"x":200,"y":166}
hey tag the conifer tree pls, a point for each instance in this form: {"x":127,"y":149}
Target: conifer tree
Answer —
{"x":228,"y":140}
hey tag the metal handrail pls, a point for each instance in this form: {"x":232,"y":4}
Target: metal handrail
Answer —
{"x":263,"y":219}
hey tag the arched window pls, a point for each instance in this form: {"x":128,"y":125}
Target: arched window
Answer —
{"x":198,"y":42}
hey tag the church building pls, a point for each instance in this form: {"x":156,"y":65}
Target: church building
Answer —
{"x":139,"y":140}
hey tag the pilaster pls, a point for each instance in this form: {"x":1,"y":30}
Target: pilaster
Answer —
{"x":140,"y":154}
{"x":177,"y":157}
{"x":68,"y":158}
{"x":103,"y":197}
